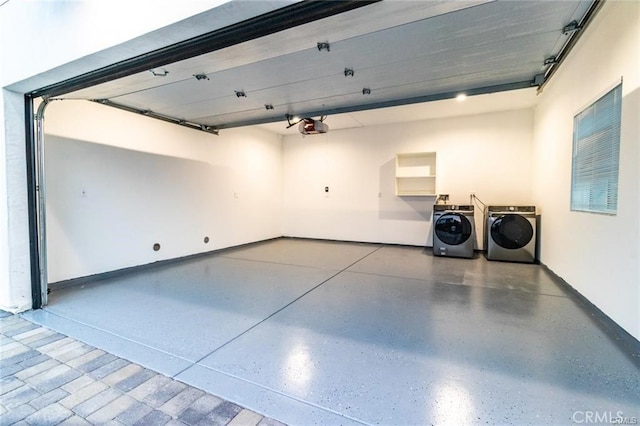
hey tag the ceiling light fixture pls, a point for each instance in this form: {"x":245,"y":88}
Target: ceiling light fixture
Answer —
{"x":268,"y":107}
{"x":348,"y":72}
{"x":240,"y":94}
{"x":461,"y":97}
{"x":366,"y":91}
{"x":201,"y":77}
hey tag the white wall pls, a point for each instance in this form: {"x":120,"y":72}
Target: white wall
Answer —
{"x":44,"y":42}
{"x":486,"y":154}
{"x":15,"y":276}
{"x":117,"y":183}
{"x":597,"y":254}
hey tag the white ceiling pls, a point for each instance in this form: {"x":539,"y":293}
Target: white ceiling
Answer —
{"x":402,"y":51}
{"x":492,"y":102}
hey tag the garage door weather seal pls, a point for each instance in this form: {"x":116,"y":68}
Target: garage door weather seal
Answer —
{"x":38,"y":207}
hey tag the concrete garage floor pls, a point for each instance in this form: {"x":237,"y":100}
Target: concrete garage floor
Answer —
{"x":317,"y":332}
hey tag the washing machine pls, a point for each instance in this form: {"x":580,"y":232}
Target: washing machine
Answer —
{"x":510,"y":233}
{"x":453,"y":230}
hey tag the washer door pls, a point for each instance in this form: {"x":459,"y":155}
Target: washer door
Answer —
{"x":453,"y":228}
{"x":511,"y":231}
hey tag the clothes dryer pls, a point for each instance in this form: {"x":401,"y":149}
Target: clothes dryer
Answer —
{"x":510,"y":233}
{"x":453,"y":230}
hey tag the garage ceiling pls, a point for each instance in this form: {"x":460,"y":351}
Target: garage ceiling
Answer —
{"x":379,"y":55}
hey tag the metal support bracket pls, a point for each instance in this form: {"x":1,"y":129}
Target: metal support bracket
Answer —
{"x":571,"y":27}
{"x":324,"y":45}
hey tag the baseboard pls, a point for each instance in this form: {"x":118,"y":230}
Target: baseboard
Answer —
{"x":162,"y":263}
{"x":148,"y":266}
{"x":330,"y":240}
{"x":620,"y":337}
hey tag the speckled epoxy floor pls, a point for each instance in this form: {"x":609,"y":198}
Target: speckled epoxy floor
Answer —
{"x":337,"y":333}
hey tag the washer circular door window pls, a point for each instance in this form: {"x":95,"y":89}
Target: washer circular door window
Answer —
{"x":453,"y":228}
{"x":511,"y":231}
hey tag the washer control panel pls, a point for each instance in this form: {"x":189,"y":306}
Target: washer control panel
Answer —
{"x":452,"y":207}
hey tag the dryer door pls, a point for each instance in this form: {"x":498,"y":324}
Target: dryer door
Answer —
{"x":453,"y":228}
{"x":511,"y":231}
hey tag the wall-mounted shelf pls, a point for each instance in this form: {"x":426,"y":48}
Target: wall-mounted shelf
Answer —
{"x":416,"y":174}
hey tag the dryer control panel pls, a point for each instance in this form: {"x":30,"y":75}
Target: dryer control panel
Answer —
{"x":512,"y":209}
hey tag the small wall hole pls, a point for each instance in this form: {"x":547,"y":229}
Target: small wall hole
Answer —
{"x":156,"y":247}
{"x":206,"y":240}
